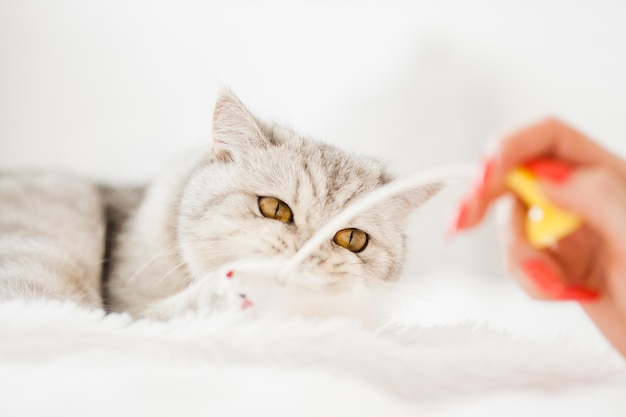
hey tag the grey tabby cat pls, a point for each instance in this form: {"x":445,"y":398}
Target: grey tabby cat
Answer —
{"x":180,"y":244}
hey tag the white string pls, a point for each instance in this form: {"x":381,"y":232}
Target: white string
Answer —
{"x":448,"y":174}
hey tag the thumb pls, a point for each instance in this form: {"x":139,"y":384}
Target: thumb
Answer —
{"x":598,"y":196}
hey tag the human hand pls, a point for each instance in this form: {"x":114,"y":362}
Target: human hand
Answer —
{"x":588,"y":266}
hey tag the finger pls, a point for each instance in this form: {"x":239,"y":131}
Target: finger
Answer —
{"x":550,"y":138}
{"x":580,"y":255}
{"x":611,"y":321}
{"x":598,"y":196}
{"x":546,"y":139}
{"x":539,"y":273}
{"x":510,"y":219}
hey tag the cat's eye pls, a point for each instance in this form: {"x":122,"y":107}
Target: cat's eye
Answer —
{"x":354,"y":240}
{"x":273,"y":208}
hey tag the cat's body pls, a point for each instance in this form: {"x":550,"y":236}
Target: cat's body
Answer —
{"x":188,"y":240}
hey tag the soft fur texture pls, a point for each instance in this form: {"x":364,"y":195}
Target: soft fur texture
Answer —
{"x":52,"y":233}
{"x":59,"y":359}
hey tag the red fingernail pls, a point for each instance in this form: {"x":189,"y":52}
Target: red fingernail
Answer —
{"x":229,"y":274}
{"x":246,"y":304}
{"x":550,"y":170}
{"x":460,"y":219}
{"x":577,"y":294}
{"x":484,"y":178}
{"x":462,"y":215}
{"x":540,"y":275}
{"x":552,"y":286}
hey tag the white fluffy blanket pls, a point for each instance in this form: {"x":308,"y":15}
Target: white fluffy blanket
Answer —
{"x":59,"y":360}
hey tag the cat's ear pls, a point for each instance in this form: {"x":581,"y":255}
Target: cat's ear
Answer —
{"x":235,"y":129}
{"x":407,"y":202}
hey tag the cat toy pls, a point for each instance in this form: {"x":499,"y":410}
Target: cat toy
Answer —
{"x":546,"y":223}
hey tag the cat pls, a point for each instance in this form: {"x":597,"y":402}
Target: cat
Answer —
{"x":213,"y":232}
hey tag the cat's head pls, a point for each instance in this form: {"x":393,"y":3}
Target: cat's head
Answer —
{"x":262,"y":191}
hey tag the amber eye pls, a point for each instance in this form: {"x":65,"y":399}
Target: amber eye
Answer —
{"x":273,"y":208}
{"x":354,"y":240}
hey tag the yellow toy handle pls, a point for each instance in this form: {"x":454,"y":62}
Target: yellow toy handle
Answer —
{"x":546,"y":224}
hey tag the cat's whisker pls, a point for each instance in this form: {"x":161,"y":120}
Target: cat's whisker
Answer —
{"x":384,"y":326}
{"x":397,"y":287}
{"x":408,"y":292}
{"x":409,"y":308}
{"x":248,"y":231}
{"x":412,"y":293}
{"x":369,"y":280}
{"x":158,"y":255}
{"x":168,"y":273}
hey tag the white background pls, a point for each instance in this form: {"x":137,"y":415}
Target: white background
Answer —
{"x":112,"y":89}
